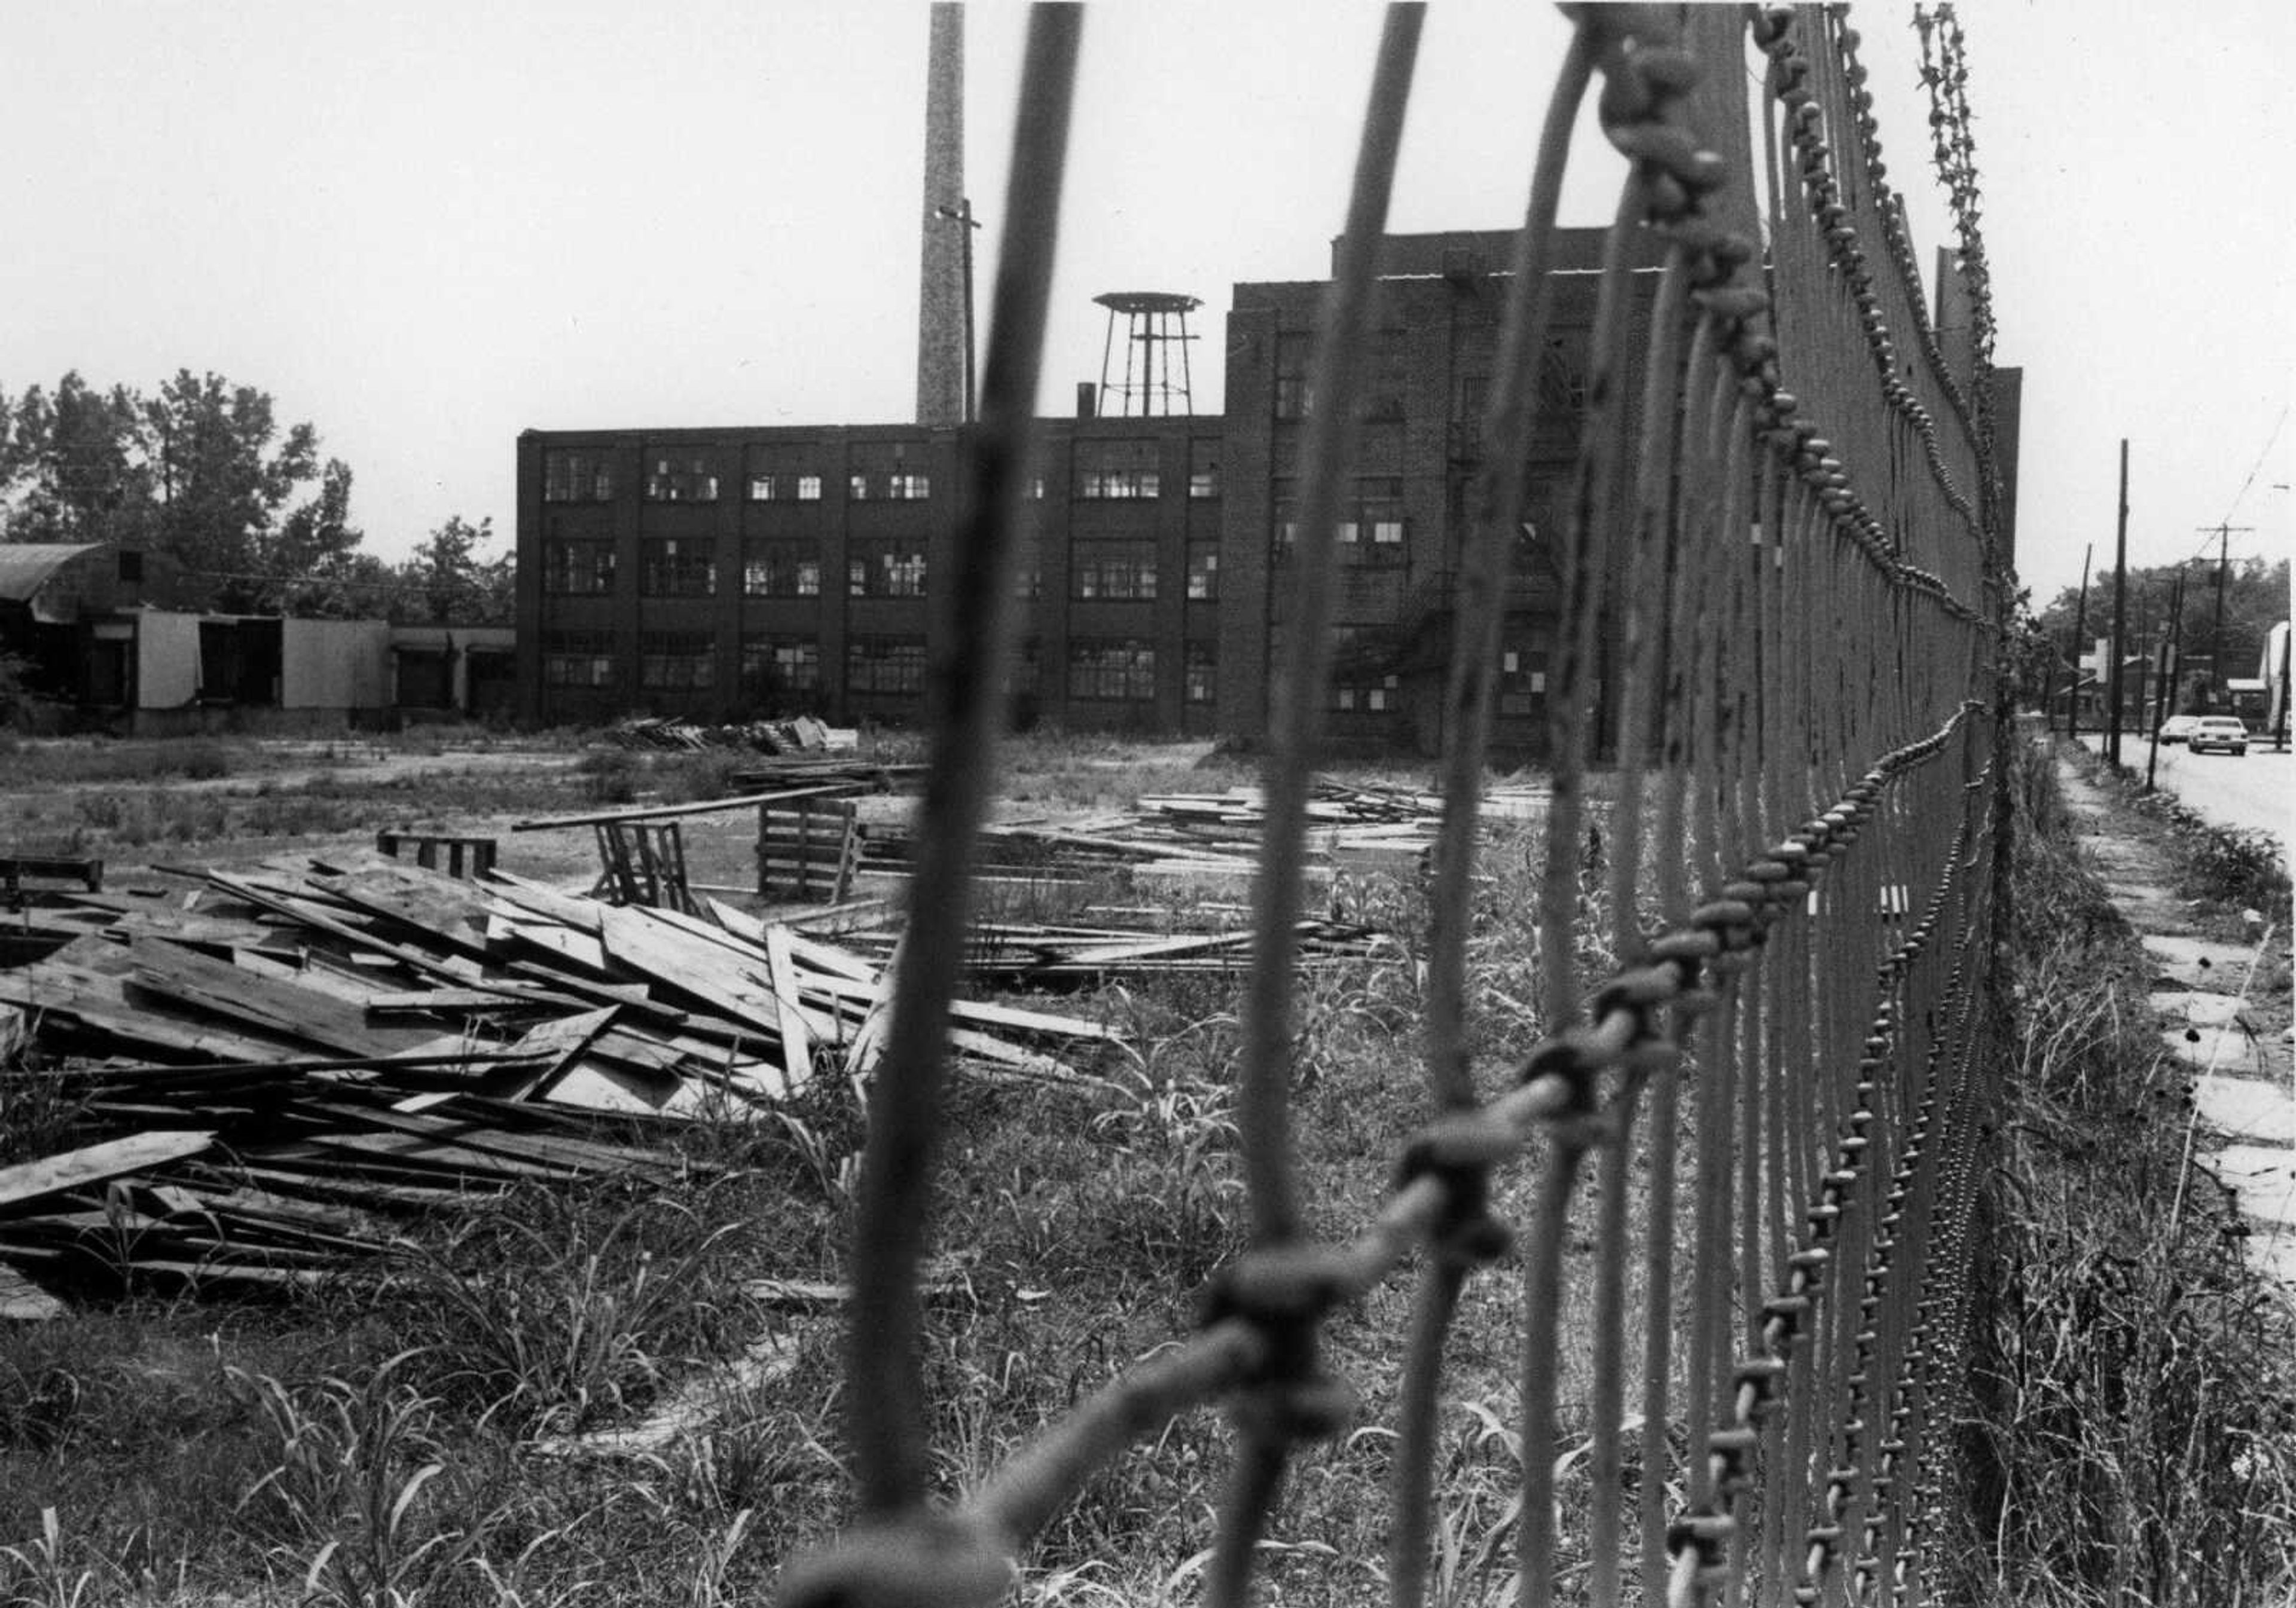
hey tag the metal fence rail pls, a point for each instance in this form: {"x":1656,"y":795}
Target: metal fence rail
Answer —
{"x":1777,"y":552}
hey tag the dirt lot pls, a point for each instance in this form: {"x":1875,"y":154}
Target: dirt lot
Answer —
{"x":236,"y":802}
{"x":232,"y":801}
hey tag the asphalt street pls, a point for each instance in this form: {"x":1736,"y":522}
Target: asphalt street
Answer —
{"x":2256,"y":791}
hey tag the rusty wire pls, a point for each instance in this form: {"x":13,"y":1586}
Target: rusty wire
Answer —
{"x":1785,"y":530}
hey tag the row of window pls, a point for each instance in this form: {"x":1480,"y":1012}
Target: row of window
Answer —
{"x":1109,"y":670}
{"x":1126,"y":470}
{"x":1561,"y":381}
{"x":1115,"y":670}
{"x":885,"y":567}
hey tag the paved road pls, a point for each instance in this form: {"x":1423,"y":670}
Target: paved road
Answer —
{"x":2256,"y":792}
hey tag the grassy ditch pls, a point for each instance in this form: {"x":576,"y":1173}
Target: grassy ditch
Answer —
{"x":2135,"y":1440}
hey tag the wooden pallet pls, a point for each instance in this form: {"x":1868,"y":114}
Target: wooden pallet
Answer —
{"x":808,"y":850}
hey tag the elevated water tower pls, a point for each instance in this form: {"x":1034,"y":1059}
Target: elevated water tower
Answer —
{"x":1155,"y":325}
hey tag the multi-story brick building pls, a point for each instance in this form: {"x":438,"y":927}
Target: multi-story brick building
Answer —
{"x":724,"y":571}
{"x":718,"y":571}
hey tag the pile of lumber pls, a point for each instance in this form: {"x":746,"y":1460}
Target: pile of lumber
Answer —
{"x":803,"y":770}
{"x":252,"y":1071}
{"x":802,"y":734}
{"x":1202,"y":836}
{"x":1020,"y":954}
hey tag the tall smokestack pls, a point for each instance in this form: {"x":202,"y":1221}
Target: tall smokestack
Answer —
{"x":942,"y":314}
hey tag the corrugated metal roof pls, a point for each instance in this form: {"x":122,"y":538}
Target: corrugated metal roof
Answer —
{"x":25,"y":566}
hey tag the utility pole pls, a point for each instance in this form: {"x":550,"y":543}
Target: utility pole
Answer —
{"x":2120,"y":612}
{"x":2164,"y":675}
{"x":2215,"y":633}
{"x":2080,"y":627}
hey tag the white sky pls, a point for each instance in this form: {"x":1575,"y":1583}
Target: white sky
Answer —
{"x":425,"y":226}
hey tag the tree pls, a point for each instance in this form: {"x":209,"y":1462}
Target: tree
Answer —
{"x":200,"y":469}
{"x":71,"y":470}
{"x":314,"y":552}
{"x":223,"y":474}
{"x":448,"y":582}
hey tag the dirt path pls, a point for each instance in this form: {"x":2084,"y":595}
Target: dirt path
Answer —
{"x":2221,"y":992}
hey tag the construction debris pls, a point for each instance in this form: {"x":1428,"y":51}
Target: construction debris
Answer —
{"x":674,"y":732}
{"x":248,"y":1077}
{"x":1196,"y":838}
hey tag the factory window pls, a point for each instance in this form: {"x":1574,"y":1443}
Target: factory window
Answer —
{"x":679,"y":567}
{"x":680,"y":476}
{"x":578,"y":569}
{"x":886,"y":567}
{"x":784,"y":485}
{"x":1200,"y":673}
{"x":1117,"y":669}
{"x":1369,"y":694}
{"x":578,"y":475}
{"x":780,"y":569}
{"x":1203,"y":469}
{"x":1372,"y":527}
{"x":1522,"y":679}
{"x":885,"y":663}
{"x":1474,"y":394}
{"x":683,"y":661}
{"x":779,"y":664}
{"x":1116,"y":571}
{"x":578,"y":659}
{"x":1203,"y":571}
{"x":1029,"y":568}
{"x":1562,"y":378}
{"x":1116,"y":470}
{"x":889,"y":471}
{"x":1383,"y":378}
{"x":1293,"y":398}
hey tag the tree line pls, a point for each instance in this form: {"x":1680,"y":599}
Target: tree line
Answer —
{"x":2255,"y":598}
{"x":201,"y":469}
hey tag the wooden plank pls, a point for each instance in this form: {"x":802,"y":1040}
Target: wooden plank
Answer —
{"x":594,"y":1085}
{"x":270,"y":1004}
{"x":278,"y":1168}
{"x":796,"y":1037}
{"x":710,"y":806}
{"x":424,"y":1155}
{"x":98,"y":1002}
{"x":23,"y":1301}
{"x":309,"y":914}
{"x":96,"y":1163}
{"x":428,"y":1135}
{"x":557,"y":1045}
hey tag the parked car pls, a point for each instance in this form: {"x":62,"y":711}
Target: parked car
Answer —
{"x":2177,"y":728}
{"x":2218,"y":731}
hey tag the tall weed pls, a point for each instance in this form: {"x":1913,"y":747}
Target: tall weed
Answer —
{"x":2131,"y":1380}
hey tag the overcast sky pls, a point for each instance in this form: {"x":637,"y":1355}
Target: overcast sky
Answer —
{"x":424,"y":226}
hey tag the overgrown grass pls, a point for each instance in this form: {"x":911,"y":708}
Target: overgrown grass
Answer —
{"x":85,"y":763}
{"x":371,"y":1438}
{"x":2134,"y":1440}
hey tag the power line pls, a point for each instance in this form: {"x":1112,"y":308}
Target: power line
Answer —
{"x":2259,"y":464}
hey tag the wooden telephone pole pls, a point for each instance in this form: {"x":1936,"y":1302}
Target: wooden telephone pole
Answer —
{"x":2216,"y":632}
{"x":2119,"y":613}
{"x":2081,"y":624}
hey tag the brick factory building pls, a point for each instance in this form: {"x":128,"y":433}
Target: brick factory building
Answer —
{"x":727,"y":572}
